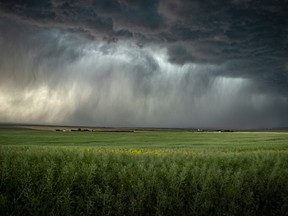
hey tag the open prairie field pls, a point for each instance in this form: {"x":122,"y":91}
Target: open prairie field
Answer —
{"x":48,"y":172}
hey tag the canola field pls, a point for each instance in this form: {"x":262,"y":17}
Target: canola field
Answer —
{"x":142,"y":173}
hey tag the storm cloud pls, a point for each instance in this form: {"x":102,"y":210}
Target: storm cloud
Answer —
{"x":145,"y":63}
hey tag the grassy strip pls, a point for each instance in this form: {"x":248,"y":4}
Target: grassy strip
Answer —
{"x":93,"y":181}
{"x":166,"y":140}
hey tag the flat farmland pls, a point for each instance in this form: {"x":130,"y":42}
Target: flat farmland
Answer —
{"x":138,"y":172}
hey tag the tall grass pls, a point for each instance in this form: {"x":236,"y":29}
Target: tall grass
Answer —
{"x":38,"y":180}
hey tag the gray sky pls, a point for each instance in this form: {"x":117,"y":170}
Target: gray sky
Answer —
{"x":164,"y":63}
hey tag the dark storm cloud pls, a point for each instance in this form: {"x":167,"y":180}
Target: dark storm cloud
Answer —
{"x":250,"y":37}
{"x":29,"y":9}
{"x":109,"y":19}
{"x":215,"y":62}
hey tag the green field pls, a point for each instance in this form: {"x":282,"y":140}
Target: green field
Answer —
{"x":142,"y":173}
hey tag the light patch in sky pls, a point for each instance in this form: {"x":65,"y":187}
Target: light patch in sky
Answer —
{"x":42,"y":104}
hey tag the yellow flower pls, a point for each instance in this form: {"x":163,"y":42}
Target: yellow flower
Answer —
{"x":135,"y":151}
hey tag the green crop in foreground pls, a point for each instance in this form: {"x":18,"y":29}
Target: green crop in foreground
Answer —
{"x":145,"y":173}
